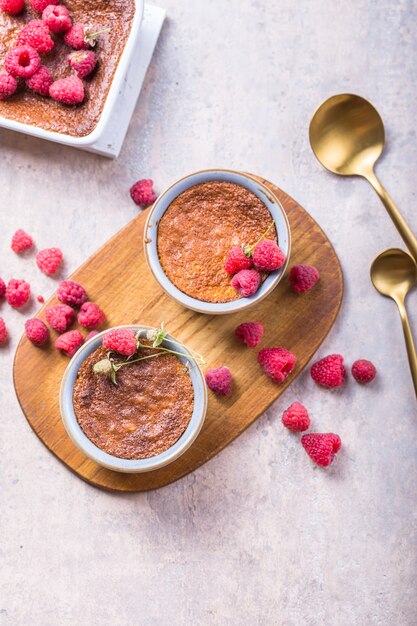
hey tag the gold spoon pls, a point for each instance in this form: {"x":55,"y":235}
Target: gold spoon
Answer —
{"x":347,"y":136}
{"x":393,"y":274}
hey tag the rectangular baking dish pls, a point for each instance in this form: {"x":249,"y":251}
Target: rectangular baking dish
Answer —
{"x":94,"y":137}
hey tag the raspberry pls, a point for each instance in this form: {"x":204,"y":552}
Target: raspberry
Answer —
{"x":83,"y":62}
{"x":40,"y":299}
{"x":321,"y":447}
{"x":21,"y":241}
{"x":68,"y":90}
{"x":277,"y":363}
{"x":57,"y":18}
{"x":142,"y":192}
{"x":49,"y":260}
{"x":296,"y":417}
{"x":12,"y":7}
{"x":329,"y":372}
{"x":237,"y":261}
{"x":59,"y":317}
{"x":363,"y":371}
{"x":90,"y":315}
{"x":41,"y":81}
{"x":303,"y":277}
{"x":219,"y":380}
{"x":250,"y":333}
{"x":2,"y":288}
{"x":37,"y":332}
{"x":91,"y":334}
{"x":36,"y":34}
{"x":267,"y":256}
{"x":40,"y":5}
{"x":246,"y":282}
{"x":3,"y":332}
{"x":121,"y":340}
{"x":71,"y":293}
{"x":8,"y":84}
{"x":22,"y":61}
{"x":69,"y":342}
{"x":17,"y":292}
{"x":75,"y":37}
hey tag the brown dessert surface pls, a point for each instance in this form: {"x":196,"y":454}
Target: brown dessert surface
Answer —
{"x":200,"y":227}
{"x":29,"y":108}
{"x":144,"y":414}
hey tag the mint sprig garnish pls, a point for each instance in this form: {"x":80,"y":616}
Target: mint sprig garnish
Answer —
{"x":109,"y":366}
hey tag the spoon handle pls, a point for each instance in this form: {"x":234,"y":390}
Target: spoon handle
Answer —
{"x":409,"y":342}
{"x":403,"y":228}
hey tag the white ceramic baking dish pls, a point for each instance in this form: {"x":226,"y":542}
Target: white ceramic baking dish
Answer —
{"x":115,"y":89}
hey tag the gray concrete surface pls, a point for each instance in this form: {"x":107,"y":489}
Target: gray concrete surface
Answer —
{"x":258,"y":536}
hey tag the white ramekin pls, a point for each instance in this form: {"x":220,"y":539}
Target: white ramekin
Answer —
{"x":112,"y":96}
{"x":109,"y":461}
{"x":165,"y":199}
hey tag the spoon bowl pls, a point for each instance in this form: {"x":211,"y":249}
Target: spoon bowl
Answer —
{"x":394,"y":273}
{"x":347,"y":135}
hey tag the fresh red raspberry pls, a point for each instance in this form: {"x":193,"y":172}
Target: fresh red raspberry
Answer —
{"x":41,"y":81}
{"x":329,"y":372}
{"x":57,"y":18}
{"x":68,"y":90}
{"x":2,"y":288}
{"x":267,"y":256}
{"x":22,"y":61}
{"x":36,"y":34}
{"x":59,"y":317}
{"x":303,"y":277}
{"x":321,"y":447}
{"x":49,"y":260}
{"x":37,"y":331}
{"x":296,"y":417}
{"x":277,"y":363}
{"x":142,"y":192}
{"x":69,"y":342}
{"x":219,"y":380}
{"x":21,"y":241}
{"x":75,"y":37}
{"x":91,"y":334}
{"x":8,"y":84}
{"x":250,"y":333}
{"x":82,"y":62}
{"x":363,"y":371}
{"x":90,"y":315}
{"x":237,"y":261}
{"x":71,"y":293}
{"x":40,"y":299}
{"x":3,"y":332}
{"x":17,"y":292}
{"x":12,"y":7}
{"x":121,"y":340}
{"x":246,"y":282}
{"x":40,"y":5}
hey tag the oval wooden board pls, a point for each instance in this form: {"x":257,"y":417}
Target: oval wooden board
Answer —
{"x":118,"y":279}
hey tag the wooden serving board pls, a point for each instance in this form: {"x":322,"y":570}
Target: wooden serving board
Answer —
{"x":118,"y":279}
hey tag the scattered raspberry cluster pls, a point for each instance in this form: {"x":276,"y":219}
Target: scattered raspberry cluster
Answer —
{"x":244,"y":263}
{"x":23,"y":62}
{"x":277,"y":363}
{"x":330,"y":371}
{"x":321,"y":447}
{"x":59,"y":317}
